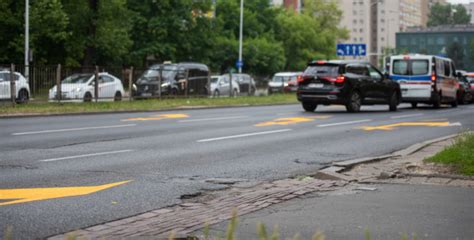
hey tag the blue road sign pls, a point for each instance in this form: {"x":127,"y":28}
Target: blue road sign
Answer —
{"x":351,"y":49}
{"x":239,"y":64}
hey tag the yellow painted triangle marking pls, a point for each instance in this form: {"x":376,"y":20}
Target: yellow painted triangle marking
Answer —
{"x":284,"y":121}
{"x":157,"y":117}
{"x":38,"y":194}
{"x":405,"y":124}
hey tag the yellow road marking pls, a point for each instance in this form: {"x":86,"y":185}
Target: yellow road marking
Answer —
{"x":406,"y":124}
{"x":288,"y":121}
{"x":158,"y":117}
{"x":38,"y":194}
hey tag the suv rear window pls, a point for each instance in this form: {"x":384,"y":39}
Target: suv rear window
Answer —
{"x":322,"y":70}
{"x":411,"y":67}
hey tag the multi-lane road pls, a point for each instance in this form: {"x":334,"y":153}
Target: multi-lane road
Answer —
{"x":67,"y":172}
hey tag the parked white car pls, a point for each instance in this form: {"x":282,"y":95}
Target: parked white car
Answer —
{"x":80,"y":87}
{"x":220,"y":86}
{"x":284,"y":82}
{"x":21,"y":85}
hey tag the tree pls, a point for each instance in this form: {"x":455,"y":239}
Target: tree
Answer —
{"x":446,"y":14}
{"x":311,"y":35}
{"x":455,"y":51}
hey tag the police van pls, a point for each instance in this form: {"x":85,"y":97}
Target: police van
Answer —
{"x":424,"y":79}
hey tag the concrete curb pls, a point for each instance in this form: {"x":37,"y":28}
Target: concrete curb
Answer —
{"x":334,"y":172}
{"x":184,"y":108}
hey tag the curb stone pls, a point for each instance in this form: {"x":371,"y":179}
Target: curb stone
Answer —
{"x":334,"y":172}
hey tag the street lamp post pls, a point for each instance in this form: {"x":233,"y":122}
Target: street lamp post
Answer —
{"x":241,"y":34}
{"x":27,"y":39}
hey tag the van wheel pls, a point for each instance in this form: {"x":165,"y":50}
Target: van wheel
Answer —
{"x":437,"y":101}
{"x":393,"y":104}
{"x":88,"y":97}
{"x":118,"y":97}
{"x":355,"y":102}
{"x":309,"y":107}
{"x":414,"y":105}
{"x":467,"y":98}
{"x":22,"y":96}
{"x":454,"y":103}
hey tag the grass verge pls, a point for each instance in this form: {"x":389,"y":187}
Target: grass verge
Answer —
{"x":142,"y":105}
{"x":460,"y":155}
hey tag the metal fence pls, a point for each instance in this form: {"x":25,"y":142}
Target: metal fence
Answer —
{"x":56,"y":83}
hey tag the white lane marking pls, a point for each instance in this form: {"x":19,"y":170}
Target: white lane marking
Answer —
{"x":85,"y":155}
{"x":407,"y":116}
{"x":344,"y":123}
{"x":244,"y":135}
{"x":73,"y":129}
{"x":455,"y":124}
{"x":211,"y":119}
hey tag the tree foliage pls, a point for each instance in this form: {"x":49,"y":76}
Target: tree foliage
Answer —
{"x":139,"y":32}
{"x":447,"y":14}
{"x":455,"y":51}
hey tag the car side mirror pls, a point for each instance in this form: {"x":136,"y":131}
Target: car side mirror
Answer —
{"x":92,"y":83}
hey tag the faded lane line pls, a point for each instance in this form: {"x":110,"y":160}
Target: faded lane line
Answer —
{"x":243,"y":135}
{"x":85,"y":155}
{"x":345,"y":123}
{"x":212,"y":119}
{"x":74,"y":129}
{"x":407,"y":116}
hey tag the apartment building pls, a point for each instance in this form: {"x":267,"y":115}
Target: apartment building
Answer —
{"x":376,"y":22}
{"x":470,"y":9}
{"x":295,"y":5}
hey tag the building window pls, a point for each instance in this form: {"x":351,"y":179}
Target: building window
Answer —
{"x":440,"y":41}
{"x":430,"y":41}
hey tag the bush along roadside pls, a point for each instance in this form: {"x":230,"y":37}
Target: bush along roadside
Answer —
{"x":460,"y":155}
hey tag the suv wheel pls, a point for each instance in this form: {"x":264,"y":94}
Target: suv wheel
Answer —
{"x":467,"y":98}
{"x":414,"y":105}
{"x":393,"y":103}
{"x":355,"y":102}
{"x":309,"y":107}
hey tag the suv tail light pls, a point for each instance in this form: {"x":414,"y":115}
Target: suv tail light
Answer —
{"x":300,"y":79}
{"x":340,"y":79}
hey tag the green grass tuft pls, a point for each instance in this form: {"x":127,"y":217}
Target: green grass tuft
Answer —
{"x":460,"y":155}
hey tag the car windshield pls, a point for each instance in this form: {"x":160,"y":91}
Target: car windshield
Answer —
{"x":279,"y":79}
{"x":77,"y":78}
{"x":169,"y":73}
{"x":214,"y":79}
{"x":470,"y":79}
{"x":411,"y":67}
{"x":322,"y":70}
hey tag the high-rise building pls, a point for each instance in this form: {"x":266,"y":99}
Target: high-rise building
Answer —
{"x":375,"y":22}
{"x":294,"y":5}
{"x":470,"y":10}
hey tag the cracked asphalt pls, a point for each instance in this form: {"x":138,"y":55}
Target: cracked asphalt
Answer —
{"x":166,"y":157}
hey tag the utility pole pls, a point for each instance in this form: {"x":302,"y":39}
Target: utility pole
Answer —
{"x":27,"y":39}
{"x":241,"y":33}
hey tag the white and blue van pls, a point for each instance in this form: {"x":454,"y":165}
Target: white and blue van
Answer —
{"x":424,"y":79}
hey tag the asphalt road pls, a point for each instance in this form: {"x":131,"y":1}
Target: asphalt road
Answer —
{"x":168,"y":155}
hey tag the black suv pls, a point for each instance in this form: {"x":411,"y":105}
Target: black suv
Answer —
{"x":349,"y":83}
{"x":178,"y":79}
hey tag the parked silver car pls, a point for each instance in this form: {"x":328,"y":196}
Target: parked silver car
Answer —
{"x":221,"y":86}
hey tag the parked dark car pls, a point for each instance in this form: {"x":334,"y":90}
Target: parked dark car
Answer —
{"x":246,"y":83}
{"x":348,"y":83}
{"x":177,"y":79}
{"x":465,"y":93}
